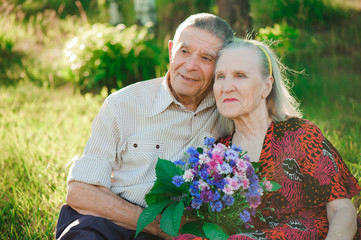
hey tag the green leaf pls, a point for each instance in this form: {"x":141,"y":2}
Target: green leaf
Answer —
{"x":214,"y":231}
{"x":275,"y":186}
{"x":194,"y":228}
{"x":149,"y":214}
{"x":256,"y":165}
{"x":156,"y":197}
{"x":171,"y":218}
{"x":200,"y":150}
{"x":165,"y":171}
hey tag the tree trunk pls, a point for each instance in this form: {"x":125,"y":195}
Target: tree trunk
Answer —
{"x":237,"y":14}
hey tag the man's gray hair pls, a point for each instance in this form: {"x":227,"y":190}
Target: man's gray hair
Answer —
{"x":209,"y":22}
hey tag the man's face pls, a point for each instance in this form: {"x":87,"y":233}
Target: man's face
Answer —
{"x":192,"y":60}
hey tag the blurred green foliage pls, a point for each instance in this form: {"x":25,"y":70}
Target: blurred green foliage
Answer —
{"x":101,"y":55}
{"x":282,"y":35}
{"x":298,"y":13}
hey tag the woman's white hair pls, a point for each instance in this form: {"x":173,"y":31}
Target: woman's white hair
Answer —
{"x":281,"y":104}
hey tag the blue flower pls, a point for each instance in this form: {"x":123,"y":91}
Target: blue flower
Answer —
{"x":193,"y":160}
{"x":178,"y":180}
{"x":196,"y":203}
{"x":192,"y":151}
{"x":179,"y":163}
{"x":228,"y":200}
{"x":209,"y":141}
{"x":231,"y":154}
{"x":204,"y":174}
{"x":236,"y":148}
{"x":216,"y":196}
{"x":193,"y":189}
{"x":216,"y":206}
{"x":245,"y":216}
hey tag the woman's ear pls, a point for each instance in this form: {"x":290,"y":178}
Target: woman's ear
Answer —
{"x":268,"y":86}
{"x":170,"y":45}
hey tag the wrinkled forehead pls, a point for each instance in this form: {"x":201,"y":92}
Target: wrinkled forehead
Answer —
{"x":193,"y":37}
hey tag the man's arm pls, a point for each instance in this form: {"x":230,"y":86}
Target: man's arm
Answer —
{"x":342,"y":217}
{"x":100,"y":201}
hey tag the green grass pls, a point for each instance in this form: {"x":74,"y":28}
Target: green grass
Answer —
{"x":41,"y":130}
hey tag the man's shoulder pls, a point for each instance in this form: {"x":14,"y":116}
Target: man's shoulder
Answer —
{"x":139,"y":90}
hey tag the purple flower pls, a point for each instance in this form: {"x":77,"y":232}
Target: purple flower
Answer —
{"x":204,"y":174}
{"x":228,"y":200}
{"x":178,"y":180}
{"x":179,"y":163}
{"x":196,"y":203}
{"x":216,"y":206}
{"x":245,"y":216}
{"x":231,"y":154}
{"x":209,"y":141}
{"x":250,"y":171}
{"x":253,"y":199}
{"x":224,"y":168}
{"x":206,"y":196}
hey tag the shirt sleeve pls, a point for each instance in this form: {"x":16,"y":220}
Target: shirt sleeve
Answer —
{"x":99,"y":157}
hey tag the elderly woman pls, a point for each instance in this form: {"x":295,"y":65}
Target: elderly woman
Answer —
{"x":314,"y":201}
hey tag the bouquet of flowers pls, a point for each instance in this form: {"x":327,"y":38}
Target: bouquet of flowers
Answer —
{"x":217,"y":189}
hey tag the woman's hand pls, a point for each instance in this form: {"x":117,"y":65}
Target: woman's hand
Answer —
{"x":342,"y":219}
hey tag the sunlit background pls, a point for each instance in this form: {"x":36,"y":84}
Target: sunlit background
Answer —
{"x":60,"y":59}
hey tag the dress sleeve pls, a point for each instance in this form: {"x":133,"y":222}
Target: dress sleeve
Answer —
{"x":344,"y":184}
{"x":330,"y":170}
{"x":99,"y":157}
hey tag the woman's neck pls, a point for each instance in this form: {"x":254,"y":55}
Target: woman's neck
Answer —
{"x":250,"y":133}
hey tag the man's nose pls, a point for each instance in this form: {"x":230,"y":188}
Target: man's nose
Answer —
{"x":192,"y":63}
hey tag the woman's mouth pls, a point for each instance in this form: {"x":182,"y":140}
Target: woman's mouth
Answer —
{"x":229,"y":100}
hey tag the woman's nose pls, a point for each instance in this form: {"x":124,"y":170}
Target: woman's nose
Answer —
{"x":227,"y":85}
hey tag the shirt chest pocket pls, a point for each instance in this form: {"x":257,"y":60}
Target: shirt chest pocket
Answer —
{"x":143,"y":151}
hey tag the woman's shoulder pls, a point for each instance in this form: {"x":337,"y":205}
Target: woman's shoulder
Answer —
{"x":296,"y":123}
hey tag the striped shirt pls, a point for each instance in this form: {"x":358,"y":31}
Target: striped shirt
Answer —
{"x":135,"y":126}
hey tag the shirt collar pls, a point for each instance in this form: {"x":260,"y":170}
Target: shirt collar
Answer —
{"x":165,"y":98}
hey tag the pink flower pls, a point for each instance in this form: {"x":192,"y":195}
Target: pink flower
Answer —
{"x":217,"y":157}
{"x":245,"y":183}
{"x":188,"y":175}
{"x":203,"y":158}
{"x":234,"y":183}
{"x":241,"y":165}
{"x":268,"y":185}
{"x":228,"y":190}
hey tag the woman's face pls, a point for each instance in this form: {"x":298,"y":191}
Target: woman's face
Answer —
{"x":240,"y":88}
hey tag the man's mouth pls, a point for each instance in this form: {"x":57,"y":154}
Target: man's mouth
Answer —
{"x":188,"y":78}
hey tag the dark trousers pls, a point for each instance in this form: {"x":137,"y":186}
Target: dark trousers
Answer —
{"x":74,"y":226}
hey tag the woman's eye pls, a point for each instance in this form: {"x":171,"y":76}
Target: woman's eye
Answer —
{"x":219,"y":77}
{"x":241,"y":75}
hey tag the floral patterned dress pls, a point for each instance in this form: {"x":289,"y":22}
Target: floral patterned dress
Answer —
{"x":297,"y":155}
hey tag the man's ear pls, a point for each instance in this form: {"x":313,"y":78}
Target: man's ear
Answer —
{"x":170,"y":46}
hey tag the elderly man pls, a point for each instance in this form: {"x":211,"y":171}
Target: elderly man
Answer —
{"x":136,"y":125}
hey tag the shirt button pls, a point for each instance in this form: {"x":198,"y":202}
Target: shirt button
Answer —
{"x":157,"y":147}
{"x":135,"y":145}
